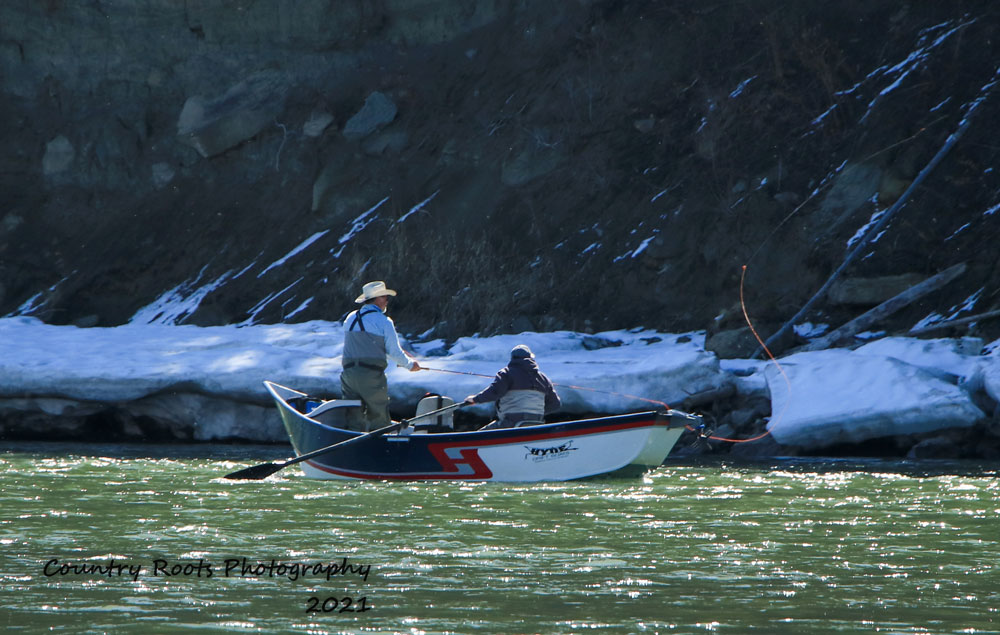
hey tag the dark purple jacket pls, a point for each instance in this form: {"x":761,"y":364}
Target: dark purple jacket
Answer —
{"x":519,"y":375}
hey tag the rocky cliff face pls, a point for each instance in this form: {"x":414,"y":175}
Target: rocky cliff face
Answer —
{"x":506,"y":166}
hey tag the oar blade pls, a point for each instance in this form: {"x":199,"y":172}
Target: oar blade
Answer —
{"x":255,"y":472}
{"x":262,"y":471}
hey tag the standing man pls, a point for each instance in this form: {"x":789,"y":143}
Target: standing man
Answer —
{"x":370,"y":342}
{"x":522,"y":392}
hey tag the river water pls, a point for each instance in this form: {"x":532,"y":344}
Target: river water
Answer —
{"x":150,"y":539}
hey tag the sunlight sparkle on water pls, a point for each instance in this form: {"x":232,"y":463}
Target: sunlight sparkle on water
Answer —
{"x":810,"y":539}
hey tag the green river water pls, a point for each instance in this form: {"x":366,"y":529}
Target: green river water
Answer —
{"x":778,"y":547}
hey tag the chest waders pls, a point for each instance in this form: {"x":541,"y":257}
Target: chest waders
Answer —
{"x":362,"y":348}
{"x":363,"y":377}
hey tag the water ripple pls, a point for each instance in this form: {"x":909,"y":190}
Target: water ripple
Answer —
{"x":826,"y":547}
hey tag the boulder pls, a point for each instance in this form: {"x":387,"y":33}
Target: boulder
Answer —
{"x":387,"y":143}
{"x":732,"y":343}
{"x":853,"y":188}
{"x":59,"y":155}
{"x":378,"y":111}
{"x":593,"y":343}
{"x":318,"y":121}
{"x":871,"y":291}
{"x":644,"y":125}
{"x":534,"y":158}
{"x":938,"y":447}
{"x":163,"y":174}
{"x":530,"y":164}
{"x":212,"y":126}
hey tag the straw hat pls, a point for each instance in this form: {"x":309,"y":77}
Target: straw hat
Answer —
{"x":373,"y":290}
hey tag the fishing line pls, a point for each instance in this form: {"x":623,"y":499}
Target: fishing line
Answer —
{"x":606,"y":392}
{"x":746,"y":316}
{"x":753,"y":330}
{"x":766,"y":239}
{"x":770,"y":356}
{"x":770,"y":235}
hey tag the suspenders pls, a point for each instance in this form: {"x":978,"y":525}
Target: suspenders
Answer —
{"x":359,"y":322}
{"x":369,"y":346}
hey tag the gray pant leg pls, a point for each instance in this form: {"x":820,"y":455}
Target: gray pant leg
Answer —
{"x":371,"y":387}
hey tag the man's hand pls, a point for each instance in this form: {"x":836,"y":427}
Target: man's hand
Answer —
{"x":415,"y":367}
{"x":469,"y":401}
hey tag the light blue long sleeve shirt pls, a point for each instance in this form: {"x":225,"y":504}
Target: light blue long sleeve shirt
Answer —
{"x":377,"y":322}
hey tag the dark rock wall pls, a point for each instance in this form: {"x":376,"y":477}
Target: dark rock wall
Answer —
{"x":577,"y":165}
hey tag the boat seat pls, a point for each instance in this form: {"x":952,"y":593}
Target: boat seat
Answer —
{"x":330,"y":405}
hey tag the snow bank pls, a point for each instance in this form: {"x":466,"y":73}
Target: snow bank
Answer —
{"x":134,"y":361}
{"x":208,"y":380}
{"x":839,"y":396}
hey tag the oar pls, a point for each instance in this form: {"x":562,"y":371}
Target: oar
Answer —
{"x":262,"y":471}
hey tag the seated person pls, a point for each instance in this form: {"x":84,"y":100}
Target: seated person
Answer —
{"x":523,"y":394}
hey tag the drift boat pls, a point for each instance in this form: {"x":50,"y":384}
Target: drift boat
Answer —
{"x":430,"y":449}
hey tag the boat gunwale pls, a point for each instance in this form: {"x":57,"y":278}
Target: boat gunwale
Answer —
{"x":651,"y":418}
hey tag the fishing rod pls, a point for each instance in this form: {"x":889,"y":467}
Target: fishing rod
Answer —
{"x":617,"y":394}
{"x":606,"y":392}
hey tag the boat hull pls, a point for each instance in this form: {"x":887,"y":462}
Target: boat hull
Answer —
{"x":549,"y":452}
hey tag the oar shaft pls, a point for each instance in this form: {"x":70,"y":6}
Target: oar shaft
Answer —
{"x":264,"y":470}
{"x":329,"y":448}
{"x":433,"y":412}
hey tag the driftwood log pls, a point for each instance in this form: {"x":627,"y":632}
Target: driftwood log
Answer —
{"x":704,"y":397}
{"x":958,"y":322}
{"x":876,"y":229}
{"x":887,"y":308}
